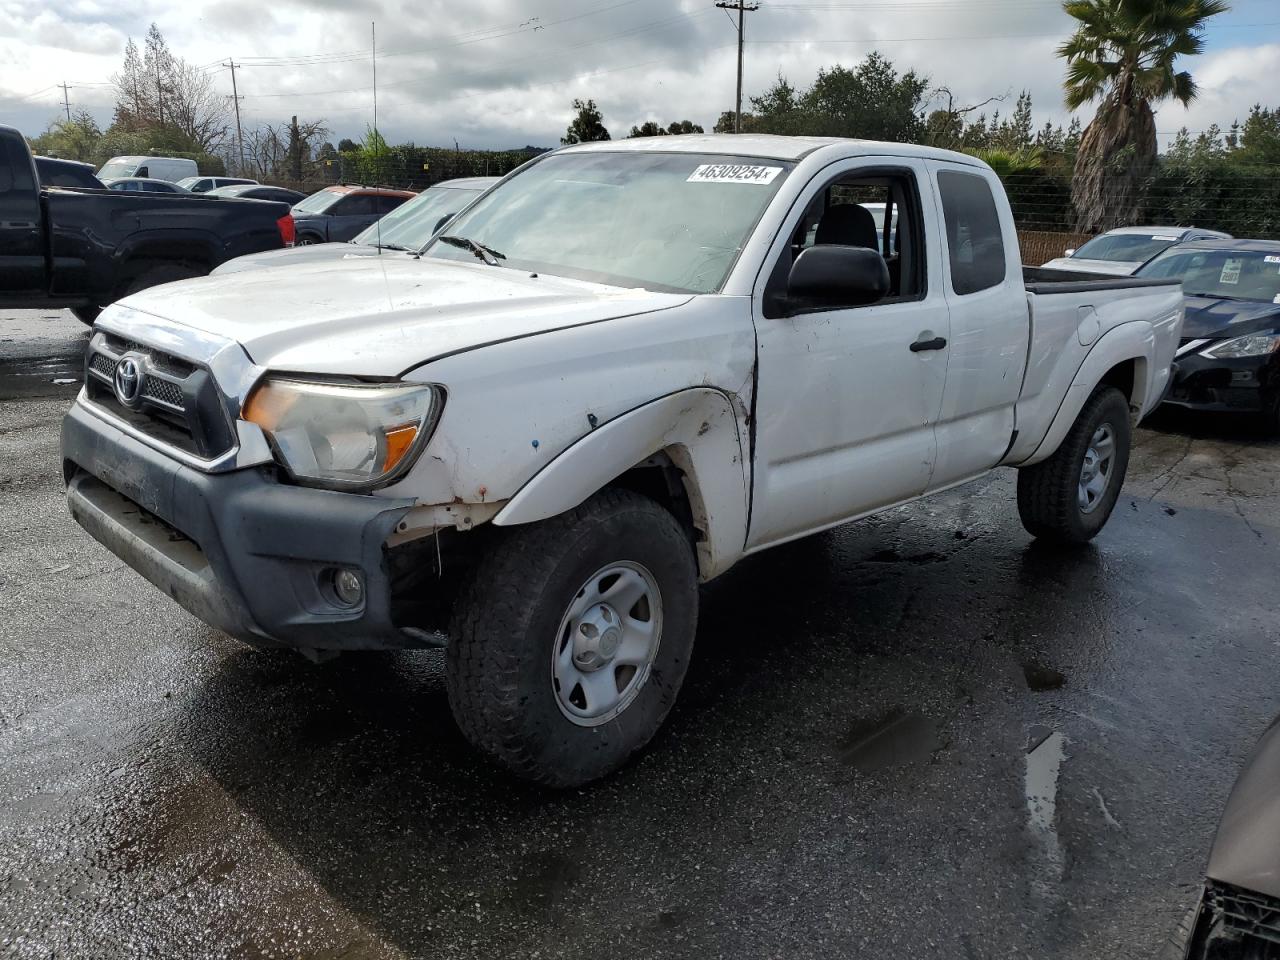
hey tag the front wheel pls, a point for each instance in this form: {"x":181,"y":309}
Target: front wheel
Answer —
{"x":1068,"y":497}
{"x":569,"y":646}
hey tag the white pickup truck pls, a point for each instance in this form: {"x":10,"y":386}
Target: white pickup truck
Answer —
{"x":617,"y":373}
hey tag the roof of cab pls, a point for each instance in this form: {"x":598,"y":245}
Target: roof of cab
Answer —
{"x":766,"y":146}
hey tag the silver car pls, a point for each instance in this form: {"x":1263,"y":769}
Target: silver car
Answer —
{"x":1125,"y":249}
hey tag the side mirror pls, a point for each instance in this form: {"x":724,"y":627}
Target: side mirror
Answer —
{"x":839,"y":275}
{"x":1069,"y":252}
{"x":143,"y":172}
{"x":441,"y":222}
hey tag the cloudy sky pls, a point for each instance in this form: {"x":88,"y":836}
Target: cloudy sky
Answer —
{"x":502,"y":73}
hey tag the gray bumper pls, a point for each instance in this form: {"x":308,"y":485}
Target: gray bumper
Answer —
{"x":243,"y":552}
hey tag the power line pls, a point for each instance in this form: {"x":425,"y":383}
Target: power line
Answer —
{"x":556,"y":55}
{"x":742,"y":7}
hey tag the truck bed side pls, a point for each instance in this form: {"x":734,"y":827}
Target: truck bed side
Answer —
{"x":1082,"y":328}
{"x":93,"y":233}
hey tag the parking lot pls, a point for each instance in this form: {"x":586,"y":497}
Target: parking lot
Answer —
{"x":916,"y":735}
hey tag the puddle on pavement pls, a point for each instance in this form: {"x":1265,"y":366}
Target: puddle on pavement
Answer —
{"x":1043,"y":763}
{"x":1041,"y":678}
{"x":889,"y":740}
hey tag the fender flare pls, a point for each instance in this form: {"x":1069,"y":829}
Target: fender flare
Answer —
{"x":1134,"y":341}
{"x":697,"y":429}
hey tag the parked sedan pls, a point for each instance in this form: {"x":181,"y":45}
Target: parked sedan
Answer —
{"x":1238,"y":917}
{"x":205,"y":184}
{"x":340,"y":212}
{"x":408,"y":227}
{"x":1229,"y":358}
{"x":143,"y":185}
{"x":1125,"y":249}
{"x":259,"y":191}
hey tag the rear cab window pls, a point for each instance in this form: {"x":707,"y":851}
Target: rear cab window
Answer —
{"x":975,"y":240}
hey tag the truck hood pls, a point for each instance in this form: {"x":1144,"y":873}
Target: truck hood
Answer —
{"x":366,"y":316}
{"x":1081,"y":265}
{"x":327,"y":252}
{"x":1246,"y":851}
{"x":1209,"y":318}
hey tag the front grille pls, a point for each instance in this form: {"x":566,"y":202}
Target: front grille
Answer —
{"x":1246,"y":913}
{"x":179,"y":404}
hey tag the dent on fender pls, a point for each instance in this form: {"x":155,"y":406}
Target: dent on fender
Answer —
{"x":698,"y":430}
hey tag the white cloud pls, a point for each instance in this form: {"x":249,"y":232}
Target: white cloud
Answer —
{"x":504,"y":75}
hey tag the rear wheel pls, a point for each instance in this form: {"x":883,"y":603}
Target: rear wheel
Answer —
{"x":568,"y":648}
{"x":1068,"y":497}
{"x":162,"y":273}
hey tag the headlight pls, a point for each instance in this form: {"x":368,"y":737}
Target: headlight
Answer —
{"x":344,"y":434}
{"x":1251,"y":345}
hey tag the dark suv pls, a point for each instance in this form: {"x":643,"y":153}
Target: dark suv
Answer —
{"x":340,"y":212}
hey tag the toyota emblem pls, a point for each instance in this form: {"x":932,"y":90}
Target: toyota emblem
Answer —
{"x":128,"y":381}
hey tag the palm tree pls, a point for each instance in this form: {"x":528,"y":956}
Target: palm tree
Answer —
{"x":1123,"y":53}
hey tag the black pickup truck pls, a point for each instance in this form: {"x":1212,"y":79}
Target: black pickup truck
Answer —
{"x":85,"y":248}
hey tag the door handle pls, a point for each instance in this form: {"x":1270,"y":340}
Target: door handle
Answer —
{"x":937,"y":343}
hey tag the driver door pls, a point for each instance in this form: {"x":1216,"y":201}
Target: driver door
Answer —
{"x":847,"y":399}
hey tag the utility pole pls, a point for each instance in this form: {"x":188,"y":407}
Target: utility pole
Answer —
{"x":235,"y":99}
{"x":742,"y":7}
{"x":66,"y":100}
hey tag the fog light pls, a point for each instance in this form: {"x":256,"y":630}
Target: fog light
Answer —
{"x":348,"y":587}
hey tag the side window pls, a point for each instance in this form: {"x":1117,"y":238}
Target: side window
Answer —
{"x":355,"y":205}
{"x":875,"y":209}
{"x":974,"y":238}
{"x":387,"y":204}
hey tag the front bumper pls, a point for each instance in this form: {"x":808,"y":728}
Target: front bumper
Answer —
{"x":1243,"y":383}
{"x":243,"y":552}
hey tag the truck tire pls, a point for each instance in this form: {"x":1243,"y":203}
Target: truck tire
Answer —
{"x":569,"y":644}
{"x":159,"y":273}
{"x":1068,"y":497}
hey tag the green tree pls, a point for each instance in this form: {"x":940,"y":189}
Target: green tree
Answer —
{"x":1123,"y":54}
{"x":872,"y":101}
{"x":74,"y":139}
{"x":1259,"y":138}
{"x":678,"y":127}
{"x":647,"y":129}
{"x":587,"y":124}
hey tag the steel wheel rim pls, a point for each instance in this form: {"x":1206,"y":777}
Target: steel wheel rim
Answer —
{"x":1096,"y":470}
{"x":606,"y":644}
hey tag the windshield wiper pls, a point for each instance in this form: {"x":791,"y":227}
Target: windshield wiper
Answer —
{"x":1224,"y":296}
{"x":487,"y":254}
{"x":392,"y":246}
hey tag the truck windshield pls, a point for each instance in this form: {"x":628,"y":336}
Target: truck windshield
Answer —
{"x":411,"y":224}
{"x":1125,"y":247}
{"x":662,"y":221}
{"x":318,"y":202}
{"x":1221,"y":274}
{"x":117,"y":168}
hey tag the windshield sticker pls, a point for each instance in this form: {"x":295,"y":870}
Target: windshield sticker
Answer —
{"x":1162,"y":237}
{"x":733,"y":173}
{"x":1231,"y":271}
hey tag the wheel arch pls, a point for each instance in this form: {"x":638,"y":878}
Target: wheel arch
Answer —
{"x":1120,"y":359}
{"x":685,"y":450}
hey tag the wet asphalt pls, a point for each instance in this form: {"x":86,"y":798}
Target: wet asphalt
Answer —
{"x":920,"y":735}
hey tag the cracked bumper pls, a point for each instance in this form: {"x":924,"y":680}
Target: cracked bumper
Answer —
{"x":241,"y":551}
